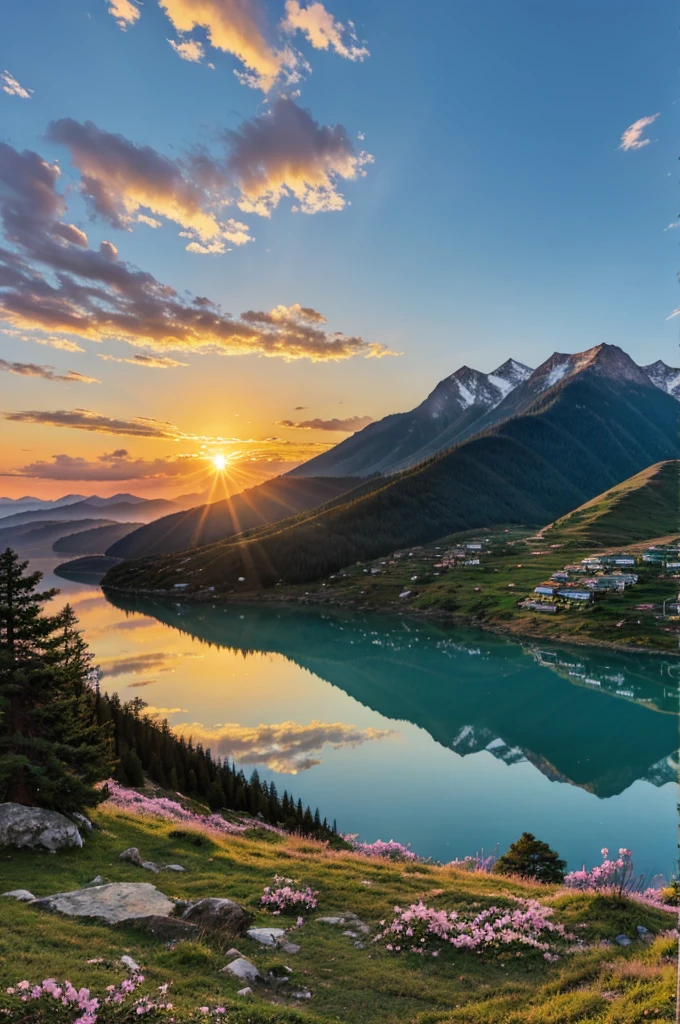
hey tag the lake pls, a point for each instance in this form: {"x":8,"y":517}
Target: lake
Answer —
{"x":451,"y":740}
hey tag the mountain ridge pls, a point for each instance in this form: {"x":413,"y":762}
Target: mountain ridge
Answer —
{"x":574,"y":438}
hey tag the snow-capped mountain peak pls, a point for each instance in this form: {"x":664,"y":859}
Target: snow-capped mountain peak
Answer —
{"x":665,"y":377}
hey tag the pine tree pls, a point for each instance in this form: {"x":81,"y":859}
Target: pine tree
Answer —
{"x":53,"y":747}
{"x":531,"y":858}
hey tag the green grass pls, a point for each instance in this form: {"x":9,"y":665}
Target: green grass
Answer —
{"x":598,"y":985}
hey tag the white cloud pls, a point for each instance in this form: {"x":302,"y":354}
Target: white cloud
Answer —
{"x":125,"y":12}
{"x":322,"y":30}
{"x":188,"y":49}
{"x":12,"y":87}
{"x":632,"y":137}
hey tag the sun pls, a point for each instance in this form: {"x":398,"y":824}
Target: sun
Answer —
{"x":219,"y":462}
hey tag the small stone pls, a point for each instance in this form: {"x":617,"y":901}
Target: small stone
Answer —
{"x":128,"y":962}
{"x":97,"y":880}
{"x":173,"y":867}
{"x":623,"y":940}
{"x":134,"y":857}
{"x":243,"y":969}
{"x":330,"y":920}
{"x":304,"y":994}
{"x":351,"y":935}
{"x":247,"y":991}
{"x":360,"y":945}
{"x":23,"y":895}
{"x":363,"y":928}
{"x":83,"y":821}
{"x":641,"y":930}
{"x":233,"y":952}
{"x":291,"y":947}
{"x":266,"y":936}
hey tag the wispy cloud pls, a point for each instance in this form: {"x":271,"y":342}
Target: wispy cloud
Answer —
{"x":96,"y":295}
{"x":238,"y":27}
{"x":348,"y":425}
{"x":132,"y":664}
{"x":46,"y":372}
{"x":12,"y":87}
{"x":85,"y":419}
{"x":151,"y":362}
{"x":111,"y":466}
{"x":125,"y":12}
{"x":632,"y":138}
{"x":285,"y":747}
{"x":120,"y":178}
{"x":285,"y":152}
{"x":190,"y":49}
{"x":323,"y":31}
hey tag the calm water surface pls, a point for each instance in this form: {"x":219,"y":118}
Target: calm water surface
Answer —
{"x":452,"y":741}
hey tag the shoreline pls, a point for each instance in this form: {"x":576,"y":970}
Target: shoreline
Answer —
{"x":443,"y":618}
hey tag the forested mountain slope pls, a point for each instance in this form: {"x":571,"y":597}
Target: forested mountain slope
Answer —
{"x":266,"y":503}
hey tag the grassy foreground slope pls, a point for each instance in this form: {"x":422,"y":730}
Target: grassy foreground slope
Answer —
{"x":581,"y":436}
{"x":600,"y":984}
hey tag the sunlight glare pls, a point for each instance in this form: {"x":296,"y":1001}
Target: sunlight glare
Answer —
{"x":220,"y":462}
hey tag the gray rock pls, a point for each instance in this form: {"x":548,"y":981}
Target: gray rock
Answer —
{"x":234,"y":952}
{"x":243,"y":969}
{"x":363,"y":928}
{"x":20,"y":894}
{"x":82,"y":821}
{"x":247,"y":991}
{"x":134,"y":857}
{"x":351,"y":935}
{"x":641,"y":930}
{"x":219,"y":915}
{"x":291,"y":947}
{"x":360,"y":945}
{"x":113,"y":903}
{"x":173,"y":867}
{"x":128,"y":962}
{"x":35,"y":828}
{"x":330,"y":920}
{"x":623,"y":940}
{"x":303,"y":994}
{"x":97,"y":880}
{"x":266,"y":936}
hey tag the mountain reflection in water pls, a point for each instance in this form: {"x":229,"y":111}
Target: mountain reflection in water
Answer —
{"x":595,"y":719}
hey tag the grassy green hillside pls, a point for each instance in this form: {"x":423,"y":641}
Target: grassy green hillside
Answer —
{"x":600,"y":984}
{"x":582,"y":436}
{"x":646,"y":505}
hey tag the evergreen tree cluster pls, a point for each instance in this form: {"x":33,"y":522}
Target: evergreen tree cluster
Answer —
{"x":146,"y":746}
{"x":53,"y":748}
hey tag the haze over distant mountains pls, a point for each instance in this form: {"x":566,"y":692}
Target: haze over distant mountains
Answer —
{"x":466,"y":403}
{"x":574,"y":427}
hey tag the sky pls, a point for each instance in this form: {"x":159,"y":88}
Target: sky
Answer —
{"x":244,"y":228}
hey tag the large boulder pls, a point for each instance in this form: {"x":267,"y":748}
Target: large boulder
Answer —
{"x":216,"y":914}
{"x":36,"y":829}
{"x":113,"y":903}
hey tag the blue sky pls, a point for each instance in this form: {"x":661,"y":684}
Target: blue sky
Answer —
{"x":498,"y":217}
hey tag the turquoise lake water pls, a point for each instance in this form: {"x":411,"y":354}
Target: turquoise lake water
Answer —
{"x":452,"y":741}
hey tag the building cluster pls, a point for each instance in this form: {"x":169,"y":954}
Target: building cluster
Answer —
{"x":463,"y":554}
{"x":579,"y":584}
